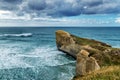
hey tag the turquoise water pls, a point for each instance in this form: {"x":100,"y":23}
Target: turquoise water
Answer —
{"x":31,"y":53}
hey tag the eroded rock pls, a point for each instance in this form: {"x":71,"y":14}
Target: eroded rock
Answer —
{"x":63,"y":38}
{"x":66,"y":43}
{"x":85,"y":64}
{"x":89,"y":53}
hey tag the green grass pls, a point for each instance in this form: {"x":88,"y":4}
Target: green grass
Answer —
{"x":104,"y":53}
{"x":107,"y":57}
{"x":85,"y":41}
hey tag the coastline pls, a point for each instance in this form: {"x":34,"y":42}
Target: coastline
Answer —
{"x":90,"y":54}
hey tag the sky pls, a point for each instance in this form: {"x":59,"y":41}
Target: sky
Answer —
{"x":59,"y":13}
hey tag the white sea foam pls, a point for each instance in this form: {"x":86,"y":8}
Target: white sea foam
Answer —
{"x":8,"y":60}
{"x":48,"y":56}
{"x":12,"y":57}
{"x":17,"y":35}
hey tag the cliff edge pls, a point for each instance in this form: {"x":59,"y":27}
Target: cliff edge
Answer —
{"x":90,"y":54}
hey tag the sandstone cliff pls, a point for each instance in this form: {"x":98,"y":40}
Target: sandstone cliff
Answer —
{"x":90,"y":54}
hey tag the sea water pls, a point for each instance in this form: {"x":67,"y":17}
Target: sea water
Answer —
{"x":30,"y":53}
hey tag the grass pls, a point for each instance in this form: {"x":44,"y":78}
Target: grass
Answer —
{"x":107,"y":57}
{"x":104,"y":53}
{"x":105,"y":73}
{"x":85,"y":41}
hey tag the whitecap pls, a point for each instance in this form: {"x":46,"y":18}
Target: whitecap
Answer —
{"x":9,"y":58}
{"x":47,"y":56}
{"x":17,"y":35}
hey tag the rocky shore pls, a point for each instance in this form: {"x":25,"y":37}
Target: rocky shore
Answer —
{"x":90,"y":54}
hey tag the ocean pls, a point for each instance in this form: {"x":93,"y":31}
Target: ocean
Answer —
{"x":30,"y":53}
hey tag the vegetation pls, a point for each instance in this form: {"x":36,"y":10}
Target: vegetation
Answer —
{"x":107,"y":57}
{"x":85,"y":41}
{"x":104,"y":53}
{"x":105,"y":73}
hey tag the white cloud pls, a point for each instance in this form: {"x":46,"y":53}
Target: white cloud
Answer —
{"x":117,"y":20}
{"x":10,"y":18}
{"x":8,"y":15}
{"x":5,"y":14}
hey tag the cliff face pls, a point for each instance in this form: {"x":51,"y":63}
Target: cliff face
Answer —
{"x":85,"y":64}
{"x":90,"y":54}
{"x":66,"y":43}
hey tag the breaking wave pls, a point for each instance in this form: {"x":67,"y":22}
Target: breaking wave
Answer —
{"x":17,"y":35}
{"x":13,"y":57}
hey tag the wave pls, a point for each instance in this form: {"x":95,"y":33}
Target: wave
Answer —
{"x":45,"y":56}
{"x":17,"y":35}
{"x":9,"y":58}
{"x":13,"y":59}
{"x":14,"y":56}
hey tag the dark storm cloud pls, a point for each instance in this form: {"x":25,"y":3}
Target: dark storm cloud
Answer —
{"x":10,"y":4}
{"x":61,"y":8}
{"x":37,"y":4}
{"x":13,"y":1}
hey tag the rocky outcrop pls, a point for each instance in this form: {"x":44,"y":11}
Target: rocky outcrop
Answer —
{"x":85,"y":64}
{"x":89,"y":53}
{"x":66,"y":43}
{"x":63,"y":38}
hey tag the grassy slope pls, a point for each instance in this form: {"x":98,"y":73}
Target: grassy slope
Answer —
{"x":105,"y":73}
{"x":108,"y":60}
{"x":104,"y":53}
